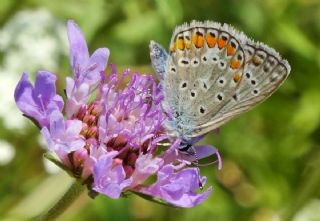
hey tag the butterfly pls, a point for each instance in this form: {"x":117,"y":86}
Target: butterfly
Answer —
{"x":211,"y":74}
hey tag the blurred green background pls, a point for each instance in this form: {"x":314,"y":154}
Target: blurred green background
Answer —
{"x":271,"y":155}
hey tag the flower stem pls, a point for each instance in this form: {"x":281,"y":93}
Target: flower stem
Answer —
{"x":67,"y":199}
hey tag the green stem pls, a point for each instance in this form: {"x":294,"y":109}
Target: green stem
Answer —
{"x":67,"y":199}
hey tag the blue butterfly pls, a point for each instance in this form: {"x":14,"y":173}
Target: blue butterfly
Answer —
{"x":212,"y":74}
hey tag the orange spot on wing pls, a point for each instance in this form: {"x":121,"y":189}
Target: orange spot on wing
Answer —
{"x":187,"y":45}
{"x":256,"y":60}
{"x":180,"y":44}
{"x":230,"y":50}
{"x":198,"y":40}
{"x":235,"y":64}
{"x":221,"y":43}
{"x":211,"y":41}
{"x":237,"y":77}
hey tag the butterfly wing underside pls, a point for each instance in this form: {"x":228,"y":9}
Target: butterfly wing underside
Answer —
{"x":264,"y":72}
{"x":213,"y":74}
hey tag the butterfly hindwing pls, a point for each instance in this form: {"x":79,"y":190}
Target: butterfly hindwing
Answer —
{"x":212,"y":74}
{"x":264,"y":72}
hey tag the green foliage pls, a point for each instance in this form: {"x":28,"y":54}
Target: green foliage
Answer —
{"x":271,"y":154}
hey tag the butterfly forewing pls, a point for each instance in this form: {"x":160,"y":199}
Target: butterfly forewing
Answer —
{"x":204,"y":69}
{"x":212,"y":74}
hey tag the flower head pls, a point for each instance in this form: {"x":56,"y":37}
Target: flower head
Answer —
{"x":110,"y":141}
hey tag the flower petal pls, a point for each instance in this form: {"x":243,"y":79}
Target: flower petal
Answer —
{"x":146,"y":165}
{"x":47,"y":136}
{"x":109,"y":180}
{"x":24,"y":98}
{"x":178,"y":188}
{"x":97,"y":63}
{"x":57,"y":125}
{"x":79,"y":54}
{"x":38,"y":102}
{"x":45,"y":85}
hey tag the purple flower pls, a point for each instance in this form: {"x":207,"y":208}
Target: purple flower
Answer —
{"x":40,"y":101}
{"x":178,"y":188}
{"x":63,"y":137}
{"x":109,"y":179}
{"x":86,"y":69}
{"x":111,"y":141}
{"x":146,"y":165}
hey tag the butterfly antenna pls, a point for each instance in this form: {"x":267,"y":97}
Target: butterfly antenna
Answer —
{"x":196,"y":163}
{"x":206,"y":164}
